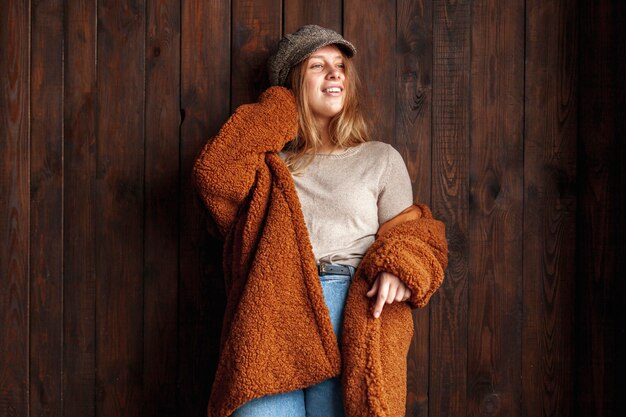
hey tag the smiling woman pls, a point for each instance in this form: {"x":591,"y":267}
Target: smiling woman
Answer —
{"x":327,"y":90}
{"x":323,"y":84}
{"x":323,"y":237}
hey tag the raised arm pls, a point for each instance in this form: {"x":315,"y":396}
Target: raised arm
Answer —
{"x":226,"y":168}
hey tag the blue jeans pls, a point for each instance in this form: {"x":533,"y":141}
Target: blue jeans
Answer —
{"x":323,"y":399}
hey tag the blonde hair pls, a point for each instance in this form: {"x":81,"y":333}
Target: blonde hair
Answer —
{"x":346,"y":129}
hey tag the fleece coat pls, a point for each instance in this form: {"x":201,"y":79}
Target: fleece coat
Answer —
{"x":277,"y":334}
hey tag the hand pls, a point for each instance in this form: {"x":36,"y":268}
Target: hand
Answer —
{"x":389,"y":289}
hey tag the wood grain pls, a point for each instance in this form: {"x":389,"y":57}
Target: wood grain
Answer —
{"x":496,"y":207}
{"x":414,"y":49}
{"x":79,"y":210}
{"x":450,"y":202}
{"x":256,"y":32}
{"x":549,"y":208}
{"x":120,"y":208}
{"x":14,"y":207}
{"x":509,"y":116}
{"x":161,"y":234}
{"x":46,"y":194}
{"x":325,"y":13}
{"x":205,"y":106}
{"x":600,"y":334}
{"x":375,"y":61}
{"x":413,"y":140}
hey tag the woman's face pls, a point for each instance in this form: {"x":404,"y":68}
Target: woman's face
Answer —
{"x":324,"y":82}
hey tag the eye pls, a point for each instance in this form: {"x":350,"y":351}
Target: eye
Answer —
{"x":316,"y":65}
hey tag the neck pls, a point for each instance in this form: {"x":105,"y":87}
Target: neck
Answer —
{"x":326,"y":147}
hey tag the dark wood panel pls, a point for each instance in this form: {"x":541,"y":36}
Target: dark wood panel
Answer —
{"x":502,"y":338}
{"x":79,"y":210}
{"x":496,"y":208}
{"x":549,"y":209}
{"x":160,"y":365}
{"x":326,"y":13}
{"x":413,"y":140}
{"x":375,"y":61}
{"x":600,"y":334}
{"x":46,"y":228}
{"x":450,"y":197}
{"x":120,"y":208}
{"x":205,"y":104}
{"x":256,"y":31}
{"x":14,"y":206}
{"x":414,"y":48}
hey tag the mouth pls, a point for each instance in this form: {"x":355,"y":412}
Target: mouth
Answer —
{"x":332,"y":90}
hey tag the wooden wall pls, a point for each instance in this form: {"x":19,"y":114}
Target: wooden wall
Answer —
{"x":509,"y":114}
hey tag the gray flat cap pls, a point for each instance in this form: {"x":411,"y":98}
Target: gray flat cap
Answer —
{"x":294,"y":48}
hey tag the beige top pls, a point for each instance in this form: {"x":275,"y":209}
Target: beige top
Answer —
{"x":346,"y":196}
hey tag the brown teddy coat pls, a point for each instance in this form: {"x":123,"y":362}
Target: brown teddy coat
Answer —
{"x":277,"y":334}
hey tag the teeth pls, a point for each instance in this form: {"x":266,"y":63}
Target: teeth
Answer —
{"x":333,"y":90}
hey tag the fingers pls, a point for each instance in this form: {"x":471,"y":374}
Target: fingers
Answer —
{"x":403,"y":293}
{"x":388,"y":289}
{"x":393,"y":291}
{"x":400,"y":294}
{"x":374,"y":289}
{"x":383,"y":291}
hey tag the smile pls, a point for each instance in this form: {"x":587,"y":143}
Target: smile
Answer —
{"x":332,"y":90}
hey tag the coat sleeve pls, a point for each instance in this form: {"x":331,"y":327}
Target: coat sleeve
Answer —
{"x":413,"y":247}
{"x":226,"y":168}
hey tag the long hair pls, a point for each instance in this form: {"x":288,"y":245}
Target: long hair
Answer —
{"x":346,"y":129}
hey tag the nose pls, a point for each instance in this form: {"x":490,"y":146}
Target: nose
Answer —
{"x":334,"y":73}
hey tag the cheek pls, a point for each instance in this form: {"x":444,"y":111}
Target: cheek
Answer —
{"x":313,"y":96}
{"x":311,"y":86}
{"x":311,"y":91}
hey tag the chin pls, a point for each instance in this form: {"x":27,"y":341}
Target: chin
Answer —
{"x":334,"y":111}
{"x":328,"y":112}
{"x":330,"y":115}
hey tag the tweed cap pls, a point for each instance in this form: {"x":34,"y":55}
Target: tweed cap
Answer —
{"x":294,"y":48}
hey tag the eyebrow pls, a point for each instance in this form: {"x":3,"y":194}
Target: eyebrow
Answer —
{"x":323,"y":56}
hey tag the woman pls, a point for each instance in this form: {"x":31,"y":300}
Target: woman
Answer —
{"x":301,"y":199}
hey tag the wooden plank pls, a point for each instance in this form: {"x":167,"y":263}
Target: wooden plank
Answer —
{"x":46,"y":193}
{"x":496,"y":193}
{"x":414,"y":46}
{"x":79,"y":289}
{"x":14,"y":206}
{"x":600,"y":334}
{"x":120,"y":208}
{"x":375,"y":61}
{"x":256,"y":31}
{"x":617,"y":360}
{"x":549,"y":208}
{"x":326,"y":13}
{"x":205,"y":104}
{"x":450,"y":197}
{"x":413,"y":119}
{"x":160,"y":365}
